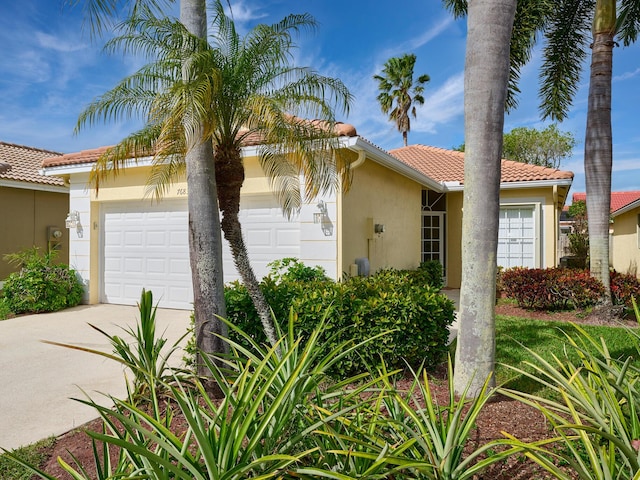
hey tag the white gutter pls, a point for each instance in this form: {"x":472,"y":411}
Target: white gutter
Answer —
{"x":458,"y":187}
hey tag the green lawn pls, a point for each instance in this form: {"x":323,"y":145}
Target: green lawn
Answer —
{"x":547,"y":338}
{"x":31,"y":454}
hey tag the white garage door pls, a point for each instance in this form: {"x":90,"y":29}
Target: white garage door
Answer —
{"x":517,"y":237}
{"x":146,"y":246}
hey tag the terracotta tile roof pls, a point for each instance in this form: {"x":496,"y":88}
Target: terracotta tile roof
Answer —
{"x":448,"y":166}
{"x":76,"y":158}
{"x":90,"y":156}
{"x":25,"y":163}
{"x":618,"y":199}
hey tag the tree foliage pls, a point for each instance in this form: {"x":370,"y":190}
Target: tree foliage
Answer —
{"x":546,"y":147}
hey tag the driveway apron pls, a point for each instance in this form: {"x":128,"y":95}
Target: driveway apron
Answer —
{"x":38,"y":380}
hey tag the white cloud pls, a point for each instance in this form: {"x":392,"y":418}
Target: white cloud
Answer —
{"x":414,"y":43}
{"x":243,"y":12}
{"x":53,"y":42}
{"x":430,"y":34}
{"x":626,"y":75}
{"x":442,"y":106}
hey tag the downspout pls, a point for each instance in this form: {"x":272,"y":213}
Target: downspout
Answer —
{"x":360,"y":160}
{"x":355,"y":164}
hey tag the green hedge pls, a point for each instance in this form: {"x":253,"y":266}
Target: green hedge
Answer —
{"x":40,"y":285}
{"x":399,"y":302}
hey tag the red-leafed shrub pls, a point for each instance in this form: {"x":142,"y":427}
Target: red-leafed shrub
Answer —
{"x":551,"y":288}
{"x":623,"y":287}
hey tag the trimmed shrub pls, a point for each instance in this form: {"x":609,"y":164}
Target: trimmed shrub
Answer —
{"x":429,"y":273}
{"x":40,"y":285}
{"x":623,"y":288}
{"x":551,"y":288}
{"x":415,"y":316}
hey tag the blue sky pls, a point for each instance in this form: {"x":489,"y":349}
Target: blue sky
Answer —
{"x":50,"y":70}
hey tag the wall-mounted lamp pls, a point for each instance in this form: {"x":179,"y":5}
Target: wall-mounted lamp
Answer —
{"x":317,"y":216}
{"x":322,"y":218}
{"x":72,"y":220}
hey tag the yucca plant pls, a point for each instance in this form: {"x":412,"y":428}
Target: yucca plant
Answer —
{"x":259,"y":429}
{"x":407,"y":434}
{"x":594,"y":410}
{"x":143,"y":353}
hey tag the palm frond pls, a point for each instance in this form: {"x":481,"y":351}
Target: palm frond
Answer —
{"x":103,"y":15}
{"x":529,"y":21}
{"x":628,"y":21}
{"x":138,"y":145}
{"x":567,"y":37}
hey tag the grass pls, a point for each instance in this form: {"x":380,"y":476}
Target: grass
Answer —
{"x":31,"y":454}
{"x":547,"y":339}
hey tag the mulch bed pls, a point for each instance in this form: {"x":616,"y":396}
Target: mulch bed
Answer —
{"x":501,"y":414}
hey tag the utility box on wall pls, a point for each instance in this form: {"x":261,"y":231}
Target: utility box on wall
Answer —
{"x":54,"y":238}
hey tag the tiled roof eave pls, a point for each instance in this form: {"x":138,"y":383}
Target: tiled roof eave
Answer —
{"x":27,"y":185}
{"x":626,"y":208}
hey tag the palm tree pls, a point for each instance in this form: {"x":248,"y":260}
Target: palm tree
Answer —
{"x":574,"y":26}
{"x":399,"y":94}
{"x":236,"y":88}
{"x":487,"y":70}
{"x":205,"y":242}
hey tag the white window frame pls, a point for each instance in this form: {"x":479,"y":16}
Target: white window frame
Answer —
{"x":538,"y":212}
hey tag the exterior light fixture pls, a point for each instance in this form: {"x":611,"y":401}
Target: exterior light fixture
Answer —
{"x":72,"y":220}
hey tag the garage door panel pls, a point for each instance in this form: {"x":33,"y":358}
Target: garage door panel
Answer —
{"x":516,"y":237}
{"x":147,"y":246}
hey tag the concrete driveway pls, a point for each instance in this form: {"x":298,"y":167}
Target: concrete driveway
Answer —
{"x":37,"y":380}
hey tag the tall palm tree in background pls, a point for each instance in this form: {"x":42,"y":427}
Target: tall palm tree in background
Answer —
{"x":399,"y":93}
{"x":575,"y":25}
{"x":224,"y":93}
{"x":205,"y":242}
{"x":487,"y":70}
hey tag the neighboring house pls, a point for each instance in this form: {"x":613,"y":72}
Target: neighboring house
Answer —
{"x":403,"y":207}
{"x":34,"y":206}
{"x":624,"y":248}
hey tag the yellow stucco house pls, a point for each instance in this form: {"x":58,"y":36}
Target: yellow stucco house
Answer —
{"x":625,"y":239}
{"x":34,"y":206}
{"x":404,"y":206}
{"x":624,"y":245}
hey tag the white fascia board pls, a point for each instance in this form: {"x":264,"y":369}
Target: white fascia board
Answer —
{"x":566,"y":182}
{"x":626,"y":208}
{"x":458,"y":187}
{"x":34,"y":186}
{"x":87,"y":167}
{"x":392,"y":163}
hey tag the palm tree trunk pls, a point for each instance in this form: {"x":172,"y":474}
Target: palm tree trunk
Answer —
{"x":598,"y":151}
{"x":233,"y":233}
{"x":230,"y":171}
{"x":205,"y":242}
{"x":489,"y":26}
